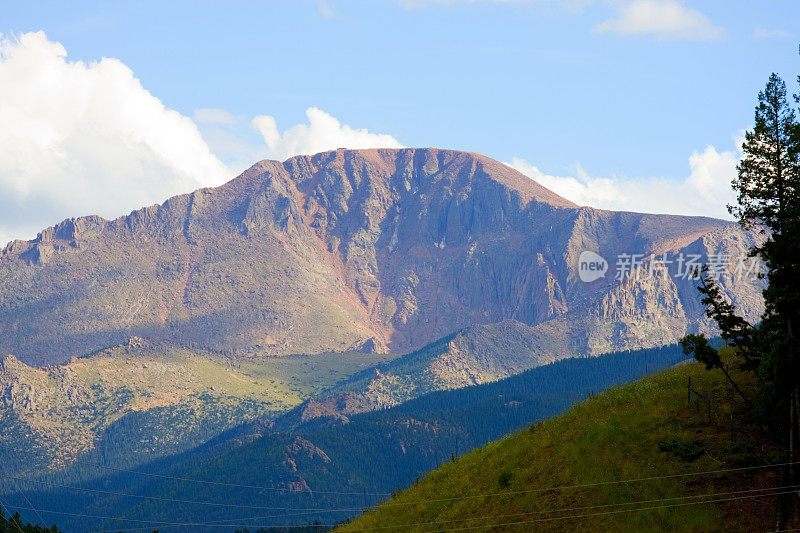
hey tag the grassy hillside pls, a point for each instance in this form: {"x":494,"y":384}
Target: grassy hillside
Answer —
{"x":320,"y":469}
{"x":142,"y":400}
{"x":572,"y":473}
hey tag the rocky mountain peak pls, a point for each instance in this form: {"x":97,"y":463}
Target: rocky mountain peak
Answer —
{"x":365,"y":250}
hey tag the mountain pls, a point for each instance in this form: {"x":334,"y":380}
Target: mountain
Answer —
{"x":356,"y":250}
{"x":134,"y":403}
{"x":634,"y":458}
{"x":472,"y":356}
{"x":255,"y":329}
{"x":260,"y":475}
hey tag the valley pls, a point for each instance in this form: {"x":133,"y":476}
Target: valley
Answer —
{"x":324,"y":468}
{"x":143,"y":400}
{"x":633,"y":458}
{"x":403,"y":265}
{"x":311,"y":327}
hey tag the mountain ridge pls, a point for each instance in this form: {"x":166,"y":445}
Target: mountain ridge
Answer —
{"x":375,"y":250}
{"x":323,"y":463}
{"x":67,"y":228}
{"x":474,"y":355}
{"x":631,"y":458}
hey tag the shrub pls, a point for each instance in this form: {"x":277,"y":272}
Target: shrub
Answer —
{"x":686,"y":449}
{"x":504,"y":479}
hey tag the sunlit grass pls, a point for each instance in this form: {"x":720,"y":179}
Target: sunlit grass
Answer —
{"x":640,"y":430}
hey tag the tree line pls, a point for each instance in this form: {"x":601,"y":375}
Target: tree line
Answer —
{"x":768,"y":202}
{"x":13,"y":524}
{"x":377,"y":452}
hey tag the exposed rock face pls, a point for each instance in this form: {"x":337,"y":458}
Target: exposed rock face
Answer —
{"x":353,"y":250}
{"x":474,"y":355}
{"x":298,"y":457}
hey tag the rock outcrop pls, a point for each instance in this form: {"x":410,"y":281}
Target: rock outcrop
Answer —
{"x":363,"y":250}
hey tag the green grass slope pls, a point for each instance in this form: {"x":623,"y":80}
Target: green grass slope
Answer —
{"x":144,"y":400}
{"x":575,"y":472}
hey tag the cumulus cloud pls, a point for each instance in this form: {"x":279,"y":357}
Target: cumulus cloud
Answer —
{"x":80,"y":138}
{"x":705,"y":191}
{"x":239,"y":141}
{"x":231,"y":138}
{"x":323,"y":132}
{"x":665,"y":19}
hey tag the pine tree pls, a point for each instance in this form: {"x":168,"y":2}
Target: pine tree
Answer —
{"x":768,"y":189}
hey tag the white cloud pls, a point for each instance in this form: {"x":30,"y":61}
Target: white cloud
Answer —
{"x":79,"y":138}
{"x":323,"y":132}
{"x":231,"y":138}
{"x":763,"y":33}
{"x":240,"y":141}
{"x":706,"y":191}
{"x":86,"y":138}
{"x":665,"y":19}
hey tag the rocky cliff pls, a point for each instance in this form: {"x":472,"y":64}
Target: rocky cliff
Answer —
{"x":369,"y":250}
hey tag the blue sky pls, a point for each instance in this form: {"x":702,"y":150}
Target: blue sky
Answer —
{"x":591,"y":95}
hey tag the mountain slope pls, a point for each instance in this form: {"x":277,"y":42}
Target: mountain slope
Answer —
{"x":320,"y":469}
{"x":140,"y":401}
{"x":144,"y":400}
{"x":630,"y":459}
{"x":472,"y":356}
{"x":352,"y":250}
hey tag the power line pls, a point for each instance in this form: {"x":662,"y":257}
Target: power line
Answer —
{"x":561,"y":487}
{"x":603,"y":506}
{"x":220,"y":483}
{"x":713,"y":499}
{"x":178,"y":500}
{"x":324,"y":510}
{"x":42,"y":520}
{"x":310,"y":510}
{"x":593,"y":485}
{"x":619,"y":511}
{"x":9,"y":510}
{"x":585,"y":515}
{"x":566,"y":509}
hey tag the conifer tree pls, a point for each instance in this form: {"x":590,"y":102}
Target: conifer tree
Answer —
{"x":768,"y":201}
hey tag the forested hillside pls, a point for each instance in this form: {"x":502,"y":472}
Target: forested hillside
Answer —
{"x":328,"y":469}
{"x":634,"y":458}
